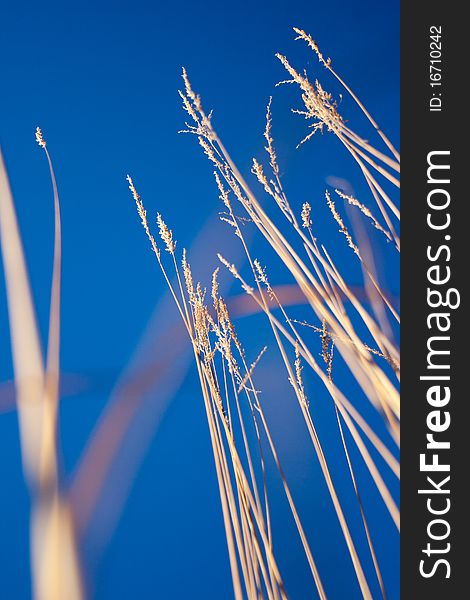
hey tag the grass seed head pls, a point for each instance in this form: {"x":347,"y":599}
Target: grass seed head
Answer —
{"x":40,"y":138}
{"x":306,"y":211}
{"x":166,"y":234}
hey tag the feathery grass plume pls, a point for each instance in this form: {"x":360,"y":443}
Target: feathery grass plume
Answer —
{"x":364,"y":210}
{"x":302,"y":35}
{"x":322,"y":109}
{"x":223,"y":192}
{"x":327,"y":347}
{"x":257,"y":170}
{"x":275,"y":188}
{"x":272,"y":188}
{"x":166,"y":234}
{"x":39,"y":138}
{"x":188,"y":277}
{"x":342,"y":227}
{"x":306,"y":212}
{"x":319,"y":104}
{"x":269,"y":139}
{"x":298,"y":377}
{"x":215,"y":287}
{"x":263,"y":278}
{"x":143,"y":215}
{"x":312,"y":43}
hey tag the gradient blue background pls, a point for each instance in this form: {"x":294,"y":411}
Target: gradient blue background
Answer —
{"x":101,"y":79}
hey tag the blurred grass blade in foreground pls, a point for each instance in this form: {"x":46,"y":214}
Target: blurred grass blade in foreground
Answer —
{"x":55,"y":571}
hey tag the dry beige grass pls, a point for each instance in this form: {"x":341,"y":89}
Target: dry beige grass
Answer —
{"x":226,"y":378}
{"x":220,"y":358}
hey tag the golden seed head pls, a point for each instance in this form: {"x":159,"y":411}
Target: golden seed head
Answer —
{"x":166,"y":234}
{"x":324,"y":341}
{"x":143,"y":215}
{"x":299,"y":384}
{"x":327,"y":348}
{"x":223,"y":192}
{"x":262,"y":277}
{"x":306,"y":210}
{"x":364,"y":210}
{"x":135,"y":195}
{"x":215,"y":286}
{"x":302,"y":35}
{"x":40,"y":138}
{"x":319,"y":104}
{"x":342,"y":226}
{"x":188,"y":277}
{"x":269,"y":139}
{"x":230,"y":266}
{"x":257,"y":170}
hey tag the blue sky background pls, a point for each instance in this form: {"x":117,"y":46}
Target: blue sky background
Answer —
{"x":101,"y":79}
